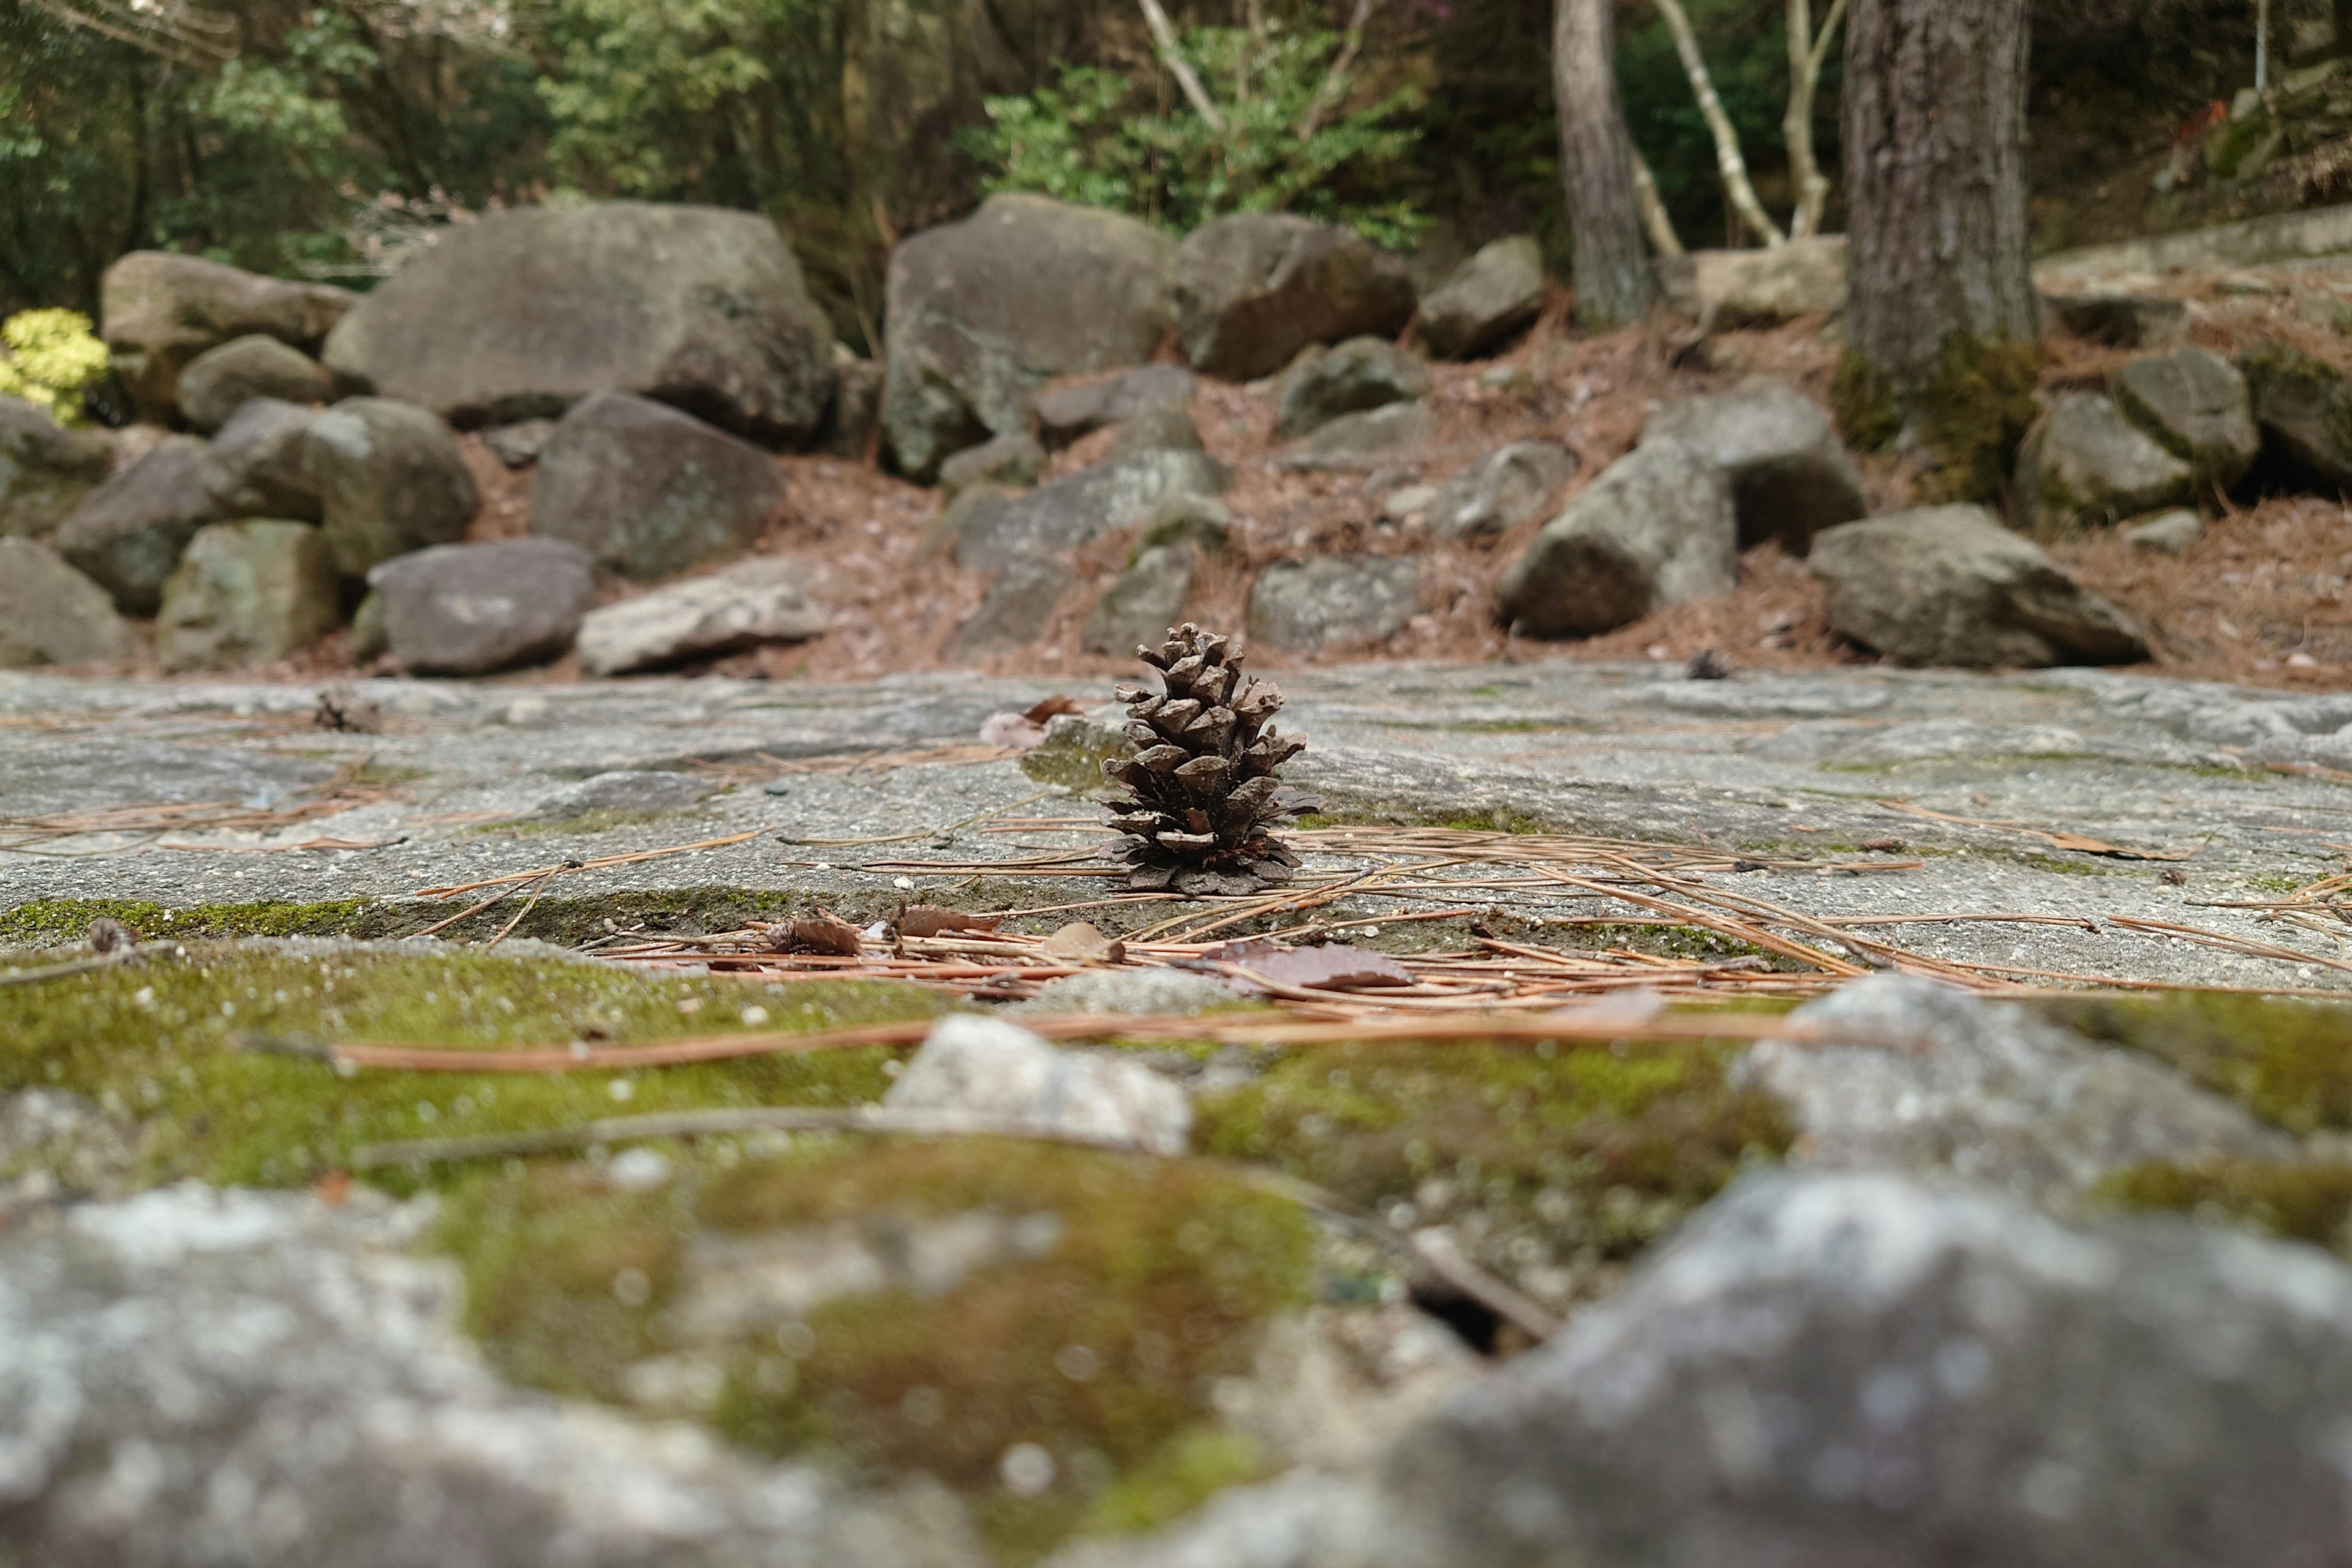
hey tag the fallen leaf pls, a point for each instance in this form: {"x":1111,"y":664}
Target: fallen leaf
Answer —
{"x":1017,"y":730}
{"x":1885,"y":846}
{"x":1079,"y":942}
{"x":931,"y":919}
{"x":1334,"y":967}
{"x":821,"y":932}
{"x":1050,"y":708}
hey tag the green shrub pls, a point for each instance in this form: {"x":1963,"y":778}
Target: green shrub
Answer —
{"x":51,"y":358}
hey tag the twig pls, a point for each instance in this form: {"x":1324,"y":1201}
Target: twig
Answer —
{"x":1335,"y":80}
{"x":1164,"y":36}
{"x":1728,"y":159}
{"x":79,"y":965}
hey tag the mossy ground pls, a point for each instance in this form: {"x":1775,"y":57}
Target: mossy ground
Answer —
{"x":2300,"y":1200}
{"x":2289,"y":1062}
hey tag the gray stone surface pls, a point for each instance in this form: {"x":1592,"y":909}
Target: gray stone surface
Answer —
{"x":1334,"y":601}
{"x":258,"y":464}
{"x":198,"y":1377}
{"x":51,"y":614}
{"x":1951,"y":585}
{"x":1131,"y":991}
{"x":1144,"y":602}
{"x":2166,"y":534}
{"x":525,"y":312}
{"x":1360,"y":443}
{"x":1165,"y":429}
{"x":2120,"y":320}
{"x":1186,"y":519}
{"x":517,"y":446}
{"x":624,"y":789}
{"x":159,"y":310}
{"x":1790,"y":476}
{"x":469,"y":609}
{"x":1802,"y":278}
{"x":1253,"y":288}
{"x":218,"y":381}
{"x":1015,"y":612}
{"x":984,"y":312}
{"x":1655,"y":528}
{"x":648,"y":491}
{"x":247,"y":593}
{"x":1013,"y":460}
{"x":852,"y":424}
{"x":994,"y":1070}
{"x":1093,"y":502}
{"x":2304,"y":407}
{"x":1509,"y":485}
{"x":1862,"y":1369}
{"x":1305,"y":1520}
{"x":754,"y":601}
{"x":1066,"y":412}
{"x":45,"y":471}
{"x":1323,"y":383}
{"x":1494,"y":294}
{"x":392,"y":478}
{"x":128,"y":533}
{"x":2084,"y":466}
{"x":2197,"y":407}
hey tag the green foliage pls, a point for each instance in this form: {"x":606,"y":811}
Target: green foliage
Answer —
{"x":51,"y":358}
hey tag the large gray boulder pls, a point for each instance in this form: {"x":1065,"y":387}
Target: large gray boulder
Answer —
{"x":2084,"y":465}
{"x":219,"y":382}
{"x":2303,"y":405}
{"x":1253,"y":289}
{"x":524,"y":312}
{"x":1362,"y":373}
{"x":648,"y":491}
{"x":391,"y":478}
{"x":1860,"y":1368}
{"x":51,"y":614}
{"x":1154,"y":430}
{"x":1013,"y":460}
{"x":1790,"y":476}
{"x":2196,"y":405}
{"x":1144,"y":602}
{"x":1494,"y":294}
{"x":1019,"y":608}
{"x":1732,"y":288}
{"x":259,"y":463}
{"x":1950,"y":585}
{"x":158,"y":311}
{"x":1056,"y":518}
{"x":45,"y":470}
{"x":753,"y":601}
{"x":1656,"y":528}
{"x":470,"y":609}
{"x":1362,"y":442}
{"x":1509,"y":485}
{"x":1334,"y":601}
{"x":247,"y":593}
{"x":985,"y":312}
{"x":1066,"y":412}
{"x":128,"y":532}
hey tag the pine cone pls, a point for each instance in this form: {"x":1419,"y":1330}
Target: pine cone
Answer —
{"x":1202,"y":786}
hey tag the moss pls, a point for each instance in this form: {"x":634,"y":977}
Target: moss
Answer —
{"x":1864,"y":405}
{"x":685,"y":911}
{"x":65,"y":923}
{"x":1190,"y":1468}
{"x":2064,"y":867}
{"x":1969,"y":415}
{"x":2301,"y":1200}
{"x":164,"y":1041}
{"x":2289,"y":1062}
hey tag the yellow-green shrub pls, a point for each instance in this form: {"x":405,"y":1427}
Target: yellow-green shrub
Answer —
{"x":51,"y":358}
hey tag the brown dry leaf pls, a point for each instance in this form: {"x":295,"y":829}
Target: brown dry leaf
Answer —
{"x":1335,"y":967}
{"x":1050,"y":707}
{"x":1080,"y":943}
{"x":823,"y":933}
{"x":931,"y":919}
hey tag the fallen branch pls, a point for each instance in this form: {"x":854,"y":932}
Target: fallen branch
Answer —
{"x":1164,"y":36}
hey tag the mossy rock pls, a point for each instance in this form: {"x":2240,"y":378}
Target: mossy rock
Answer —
{"x":1969,"y":414}
{"x":2300,"y":1200}
{"x":2288,"y":1062}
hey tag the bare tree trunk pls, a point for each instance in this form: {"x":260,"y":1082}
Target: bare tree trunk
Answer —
{"x":1164,"y":36}
{"x":1614,"y":285}
{"x":1728,"y":163}
{"x":1654,"y":216}
{"x":1807,"y":54}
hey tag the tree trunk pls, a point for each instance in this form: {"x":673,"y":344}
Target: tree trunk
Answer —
{"x":1941,"y":319}
{"x":1614,"y":285}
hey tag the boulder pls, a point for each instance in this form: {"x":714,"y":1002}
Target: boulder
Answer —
{"x":2303,"y":405}
{"x":1253,"y":289}
{"x":45,"y":470}
{"x":854,"y":421}
{"x":1508,"y":487}
{"x":2084,"y":465}
{"x":51,"y":614}
{"x":1362,"y":373}
{"x":2197,"y":407}
{"x":983,"y":312}
{"x":517,"y":446}
{"x":1018,"y":608}
{"x":128,"y":532}
{"x":524,"y":312}
{"x":1359,"y":443}
{"x":259,"y":463}
{"x":1185,"y":517}
{"x":1863,"y":1368}
{"x":247,"y":593}
{"x":2119,"y":320}
{"x":1950,"y":585}
{"x":392,"y":478}
{"x":1066,"y":412}
{"x":370,"y":641}
{"x":2166,"y":534}
{"x":1013,"y":460}
{"x":1334,"y":601}
{"x":1802,"y":278}
{"x":994,"y":1070}
{"x":1496,"y":293}
{"x":1656,"y":528}
{"x":470,"y":609}
{"x":1168,"y":429}
{"x":1146,"y":600}
{"x":1059,"y":516}
{"x":649,"y":491}
{"x":752,"y":602}
{"x":218,"y":381}
{"x":159,"y":310}
{"x":1790,"y":476}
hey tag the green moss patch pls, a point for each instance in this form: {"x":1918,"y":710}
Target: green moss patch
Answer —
{"x":2290,"y":1062}
{"x":2300,"y":1200}
{"x":564,"y":920}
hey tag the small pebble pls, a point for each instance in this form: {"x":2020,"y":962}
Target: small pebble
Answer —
{"x":1026,"y":1470}
{"x":777,"y":786}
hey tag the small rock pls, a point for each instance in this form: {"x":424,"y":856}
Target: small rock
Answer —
{"x":518,"y":446}
{"x":2082,"y":465}
{"x":1253,"y":288}
{"x":1656,"y":528}
{"x":2166,"y":533}
{"x":1950,"y":585}
{"x":1409,"y":504}
{"x":259,"y":465}
{"x":219,"y":382}
{"x":752,"y":602}
{"x":648,"y":491}
{"x":470,"y":609}
{"x":1494,"y":294}
{"x":128,"y":534}
{"x":1185,"y":517}
{"x":994,"y":1070}
{"x":159,"y":310}
{"x":45,"y":470}
{"x":2197,"y":407}
{"x":1334,"y":601}
{"x":392,"y":478}
{"x":1167,"y":429}
{"x":1131,"y":991}
{"x":1018,"y":608}
{"x":2121,"y":320}
{"x":370,"y":641}
{"x":1801,"y":277}
{"x":622,"y":790}
{"x":1509,"y":485}
{"x":51,"y":614}
{"x":1362,"y":441}
{"x":247,"y":593}
{"x":1362,"y":373}
{"x":1060,"y":516}
{"x":2303,"y":405}
{"x":1066,"y":412}
{"x":1790,"y":476}
{"x":1147,"y":599}
{"x":1013,"y":460}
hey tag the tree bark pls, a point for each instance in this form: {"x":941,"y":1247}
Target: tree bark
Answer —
{"x":1614,"y":284}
